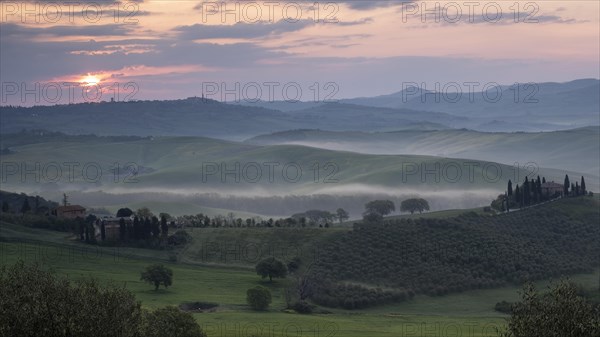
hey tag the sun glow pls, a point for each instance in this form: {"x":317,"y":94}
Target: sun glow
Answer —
{"x":90,"y":80}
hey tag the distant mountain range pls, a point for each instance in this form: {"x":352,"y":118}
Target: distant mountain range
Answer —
{"x":524,"y":107}
{"x":557,"y":106}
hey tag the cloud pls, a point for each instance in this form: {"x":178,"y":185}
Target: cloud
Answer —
{"x":240,"y":30}
{"x":364,"y":5}
{"x":12,"y":30}
{"x":353,"y":4}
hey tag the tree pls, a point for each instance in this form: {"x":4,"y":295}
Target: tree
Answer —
{"x":124,"y":213}
{"x":25,"y":208}
{"x":526,"y":192}
{"x":258,"y":298}
{"x":157,"y":274}
{"x":509,"y":188}
{"x":85,"y":308}
{"x":122,"y":229}
{"x":172,"y":322}
{"x":561,"y":312}
{"x":538,"y":189}
{"x":341,"y":214}
{"x":413,"y":205}
{"x":566,"y":185}
{"x":81,"y":228}
{"x":518,"y":196}
{"x":294,"y":264}
{"x":381,"y":207}
{"x":102,"y":231}
{"x":155,"y":227}
{"x":147,"y":231}
{"x":164,"y":227}
{"x":143,"y":213}
{"x":37,"y":204}
{"x":271,"y":268}
{"x":137,"y":229}
{"x":5,"y":207}
{"x":87,"y":233}
{"x":582,"y":186}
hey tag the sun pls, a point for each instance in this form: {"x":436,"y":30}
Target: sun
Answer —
{"x":90,"y":80}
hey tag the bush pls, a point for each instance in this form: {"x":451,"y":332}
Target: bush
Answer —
{"x":170,"y":321}
{"x":180,"y":238}
{"x":271,"y":268}
{"x":158,"y":274}
{"x":503,"y":307}
{"x":198,"y":306}
{"x":302,"y":307}
{"x":561,"y":312}
{"x":34,"y":302}
{"x":258,"y":298}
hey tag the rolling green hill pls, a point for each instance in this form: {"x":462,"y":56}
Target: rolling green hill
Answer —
{"x":245,"y":178}
{"x":575,"y":150}
{"x":440,"y":256}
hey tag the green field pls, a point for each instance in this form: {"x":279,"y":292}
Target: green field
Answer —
{"x":227,"y":286}
{"x":469,"y":313}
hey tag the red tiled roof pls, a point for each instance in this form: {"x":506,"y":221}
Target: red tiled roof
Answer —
{"x":70,"y":208}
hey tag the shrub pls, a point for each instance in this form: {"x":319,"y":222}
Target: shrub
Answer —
{"x":503,"y":307}
{"x":258,"y":298}
{"x":303,"y":307}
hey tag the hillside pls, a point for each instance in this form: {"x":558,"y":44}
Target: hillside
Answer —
{"x":545,"y":106}
{"x":203,"y":117}
{"x":538,"y":106}
{"x":574,"y":149}
{"x":440,"y":256}
{"x":273,"y":180}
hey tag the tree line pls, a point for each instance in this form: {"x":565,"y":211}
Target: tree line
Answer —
{"x":532,"y":192}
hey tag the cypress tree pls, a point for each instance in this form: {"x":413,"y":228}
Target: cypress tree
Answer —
{"x":518,"y":195}
{"x":102,"y":231}
{"x":566,"y":185}
{"x":155,"y":227}
{"x":164,"y":227}
{"x":510,"y":190}
{"x":538,"y":186}
{"x":122,"y":229}
{"x":25,"y":208}
{"x":526,"y":192}
{"x":136,"y":228}
{"x":582,"y":186}
{"x":147,"y":228}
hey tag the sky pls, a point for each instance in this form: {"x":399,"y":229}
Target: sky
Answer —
{"x":57,"y":52}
